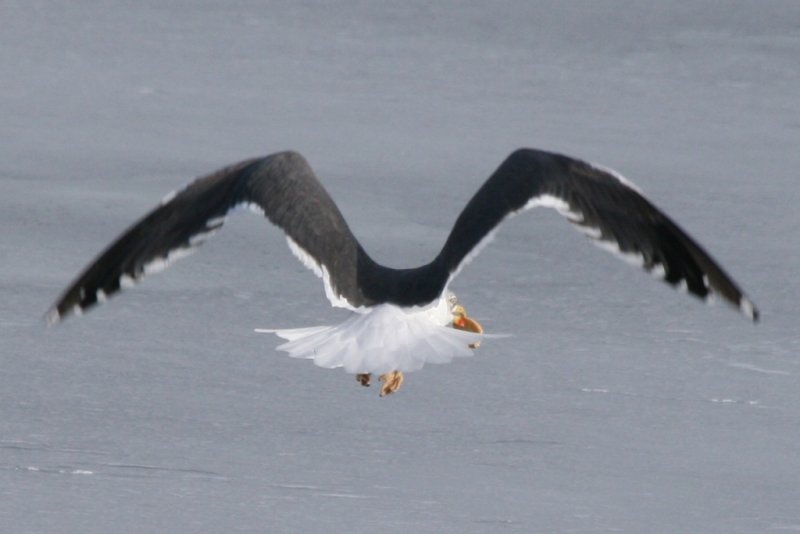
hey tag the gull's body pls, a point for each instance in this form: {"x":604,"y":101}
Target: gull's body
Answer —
{"x":402,"y":318}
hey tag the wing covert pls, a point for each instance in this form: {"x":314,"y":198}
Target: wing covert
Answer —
{"x":605,"y":206}
{"x":281,"y":186}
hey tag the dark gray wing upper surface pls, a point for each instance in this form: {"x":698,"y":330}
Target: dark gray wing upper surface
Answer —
{"x":603,"y":205}
{"x":282,"y":186}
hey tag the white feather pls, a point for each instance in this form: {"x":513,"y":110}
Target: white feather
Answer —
{"x":159,"y":264}
{"x":747,"y":307}
{"x":386,"y":338}
{"x":321,"y":271}
{"x":659,"y":271}
{"x":621,"y":179}
{"x":544,"y":201}
{"x":550,"y":201}
{"x":592,"y":232}
{"x":198,"y":239}
{"x":633,"y":258}
{"x":304,"y":257}
{"x":168,"y":197}
{"x":252,"y":207}
{"x":472,"y":254}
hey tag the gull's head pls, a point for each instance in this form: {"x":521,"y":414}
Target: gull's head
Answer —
{"x":459,"y":318}
{"x":452,"y":302}
{"x":457,"y":311}
{"x":442,"y":310}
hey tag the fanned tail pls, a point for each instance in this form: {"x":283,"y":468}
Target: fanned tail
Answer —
{"x":387,"y":339}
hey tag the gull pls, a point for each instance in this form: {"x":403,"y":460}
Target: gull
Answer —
{"x":401,"y":318}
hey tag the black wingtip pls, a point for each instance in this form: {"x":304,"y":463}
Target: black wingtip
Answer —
{"x":56,"y":314}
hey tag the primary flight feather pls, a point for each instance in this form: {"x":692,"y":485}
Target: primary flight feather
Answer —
{"x":403,"y":317}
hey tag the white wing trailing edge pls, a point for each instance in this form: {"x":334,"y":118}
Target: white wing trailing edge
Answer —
{"x":402,"y":320}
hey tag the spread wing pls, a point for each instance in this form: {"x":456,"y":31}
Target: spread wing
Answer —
{"x":281,"y":186}
{"x":602,"y":204}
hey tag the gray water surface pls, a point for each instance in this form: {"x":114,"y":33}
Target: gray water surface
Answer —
{"x":618,"y":405}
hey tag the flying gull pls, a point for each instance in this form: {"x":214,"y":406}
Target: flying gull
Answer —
{"x":402,"y":318}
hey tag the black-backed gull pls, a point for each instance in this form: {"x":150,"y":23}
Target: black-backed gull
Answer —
{"x":402,"y":318}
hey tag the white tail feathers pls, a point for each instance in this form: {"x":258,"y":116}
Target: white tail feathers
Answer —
{"x":386,"y":339}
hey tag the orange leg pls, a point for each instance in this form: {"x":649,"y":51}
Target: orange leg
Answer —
{"x":391,"y":382}
{"x":363,"y":379}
